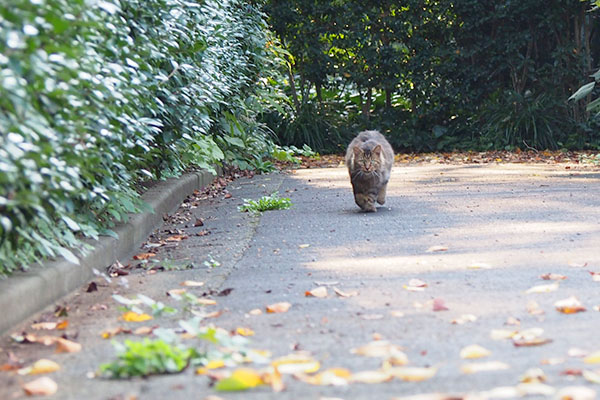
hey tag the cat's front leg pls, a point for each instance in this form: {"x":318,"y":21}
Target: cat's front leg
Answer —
{"x":381,"y":195}
{"x":365,"y":201}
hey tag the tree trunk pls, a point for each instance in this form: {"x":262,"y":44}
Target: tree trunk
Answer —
{"x":293,"y":88}
{"x":388,"y":98}
{"x":366,"y":109}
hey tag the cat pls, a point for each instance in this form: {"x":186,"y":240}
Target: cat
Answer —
{"x":369,"y":159}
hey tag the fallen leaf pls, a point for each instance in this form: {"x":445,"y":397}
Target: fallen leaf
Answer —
{"x":255,"y":311}
{"x":474,"y":351}
{"x":67,"y":346}
{"x":439,"y":305}
{"x":381,"y":349}
{"x":42,"y":366}
{"x":92,"y":287}
{"x":552,"y":277}
{"x":543,"y":288}
{"x":535,"y":389}
{"x":244,"y":331}
{"x":412,"y":374}
{"x":579,"y":353}
{"x":533,"y":375}
{"x":240,"y":379}
{"x":296,"y":363}
{"x":303,"y":246}
{"x":329,"y":377}
{"x":371,"y":317}
{"x":176,"y":238}
{"x":44,"y":326}
{"x":345,"y":294}
{"x":107,"y":334}
{"x":206,"y":302}
{"x":370,"y":377}
{"x":533,"y":308}
{"x":592,"y":358}
{"x":212,"y":364}
{"x":479,"y":266}
{"x":319,"y":292}
{"x":192,"y":283}
{"x":62,"y":325}
{"x":577,"y":264}
{"x":397,"y":313}
{"x":144,"y":256}
{"x":512,"y":321}
{"x":530,"y":337}
{"x":131,"y":316}
{"x":198,"y":222}
{"x":176,"y":292}
{"x":473,"y":368}
{"x":417,"y":283}
{"x":571,"y":372}
{"x":552,"y":361}
{"x":433,"y":249}
{"x":569,"y":305}
{"x":43,"y":386}
{"x":225,"y":292}
{"x":576,"y":393}
{"x":327,"y":283}
{"x":278,"y":307}
{"x":273,"y":378}
{"x":591,"y":376}
{"x":463,"y":319}
{"x":595,"y":276}
{"x":144,"y":330}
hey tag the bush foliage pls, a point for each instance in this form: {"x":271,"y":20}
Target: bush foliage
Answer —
{"x":438,"y":75}
{"x":100,"y":95}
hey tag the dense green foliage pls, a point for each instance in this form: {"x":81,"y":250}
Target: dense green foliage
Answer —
{"x":438,"y":75}
{"x":97,"y":96}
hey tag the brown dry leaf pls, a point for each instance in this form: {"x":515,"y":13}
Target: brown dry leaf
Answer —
{"x":530,"y":337}
{"x":463,"y":319}
{"x":144,"y":330}
{"x":543,"y":288}
{"x":107,"y":334}
{"x":320,"y":292}
{"x":576,"y":393}
{"x":412,"y":374}
{"x":131,"y":316}
{"x":370,"y":377}
{"x":43,"y":386}
{"x":434,"y":249}
{"x":569,"y":305}
{"x":62,"y":325}
{"x":176,"y":238}
{"x":206,"y":302}
{"x":176,"y":292}
{"x":192,"y":283}
{"x":473,"y":368}
{"x":571,"y":372}
{"x":552,"y":277}
{"x":42,"y":366}
{"x":143,"y":256}
{"x":341,"y":293}
{"x":67,"y":346}
{"x":474,"y":351}
{"x":439,"y":305}
{"x":281,"y":307}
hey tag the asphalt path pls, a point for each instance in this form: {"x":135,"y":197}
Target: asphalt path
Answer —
{"x":476,"y":237}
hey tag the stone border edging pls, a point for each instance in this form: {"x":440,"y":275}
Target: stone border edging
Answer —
{"x":25,"y":293}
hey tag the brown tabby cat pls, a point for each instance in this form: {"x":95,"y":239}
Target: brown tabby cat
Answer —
{"x":369,"y":159}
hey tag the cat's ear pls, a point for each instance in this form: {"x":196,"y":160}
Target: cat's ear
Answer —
{"x":377,"y":149}
{"x":357,"y":151}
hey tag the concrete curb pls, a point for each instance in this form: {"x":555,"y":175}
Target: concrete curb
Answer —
{"x":26,"y":293}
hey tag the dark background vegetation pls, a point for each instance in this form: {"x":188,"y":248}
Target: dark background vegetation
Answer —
{"x":98,"y":97}
{"x":438,"y":75}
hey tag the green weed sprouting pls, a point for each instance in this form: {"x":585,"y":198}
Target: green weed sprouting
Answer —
{"x":266,"y":203}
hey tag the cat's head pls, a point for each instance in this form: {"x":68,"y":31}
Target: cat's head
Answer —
{"x":368,"y":159}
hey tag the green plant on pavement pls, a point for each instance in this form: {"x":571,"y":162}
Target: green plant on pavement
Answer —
{"x":266,"y":203}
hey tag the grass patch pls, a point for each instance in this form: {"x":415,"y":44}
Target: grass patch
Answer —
{"x":266,"y":203}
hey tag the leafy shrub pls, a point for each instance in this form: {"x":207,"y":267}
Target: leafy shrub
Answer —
{"x":98,"y":96}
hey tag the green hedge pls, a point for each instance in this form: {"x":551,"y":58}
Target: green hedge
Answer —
{"x":97,"y":96}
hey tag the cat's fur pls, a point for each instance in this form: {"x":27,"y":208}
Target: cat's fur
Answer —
{"x":369,"y":159}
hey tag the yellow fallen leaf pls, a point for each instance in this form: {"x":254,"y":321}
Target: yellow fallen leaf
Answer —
{"x":244,"y":331}
{"x":570,"y":305}
{"x":370,"y":377}
{"x":113,"y":332}
{"x":67,"y":346}
{"x":62,"y":325}
{"x":192,"y":283}
{"x":533,"y":375}
{"x":273,"y":378}
{"x":576,"y":393}
{"x":472,"y":368}
{"x":319,"y":292}
{"x":278,"y":307}
{"x":593,"y":358}
{"x":329,"y":377}
{"x":212,"y":364}
{"x":500,"y":334}
{"x":43,"y":386}
{"x":413,"y":374}
{"x":240,"y":379}
{"x":591,"y":376}
{"x":131,"y":316}
{"x":543,"y":288}
{"x":296,"y":363}
{"x":474,"y":351}
{"x":41,"y":366}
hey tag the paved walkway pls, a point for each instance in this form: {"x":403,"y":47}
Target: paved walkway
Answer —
{"x":478,"y":236}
